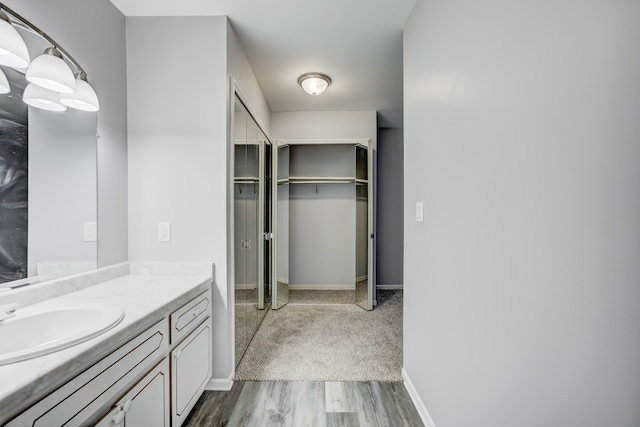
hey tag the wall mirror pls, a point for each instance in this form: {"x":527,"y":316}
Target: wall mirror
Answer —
{"x":48,"y":186}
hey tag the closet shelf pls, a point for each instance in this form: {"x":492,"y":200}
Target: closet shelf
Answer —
{"x":246,"y":179}
{"x":322,"y":180}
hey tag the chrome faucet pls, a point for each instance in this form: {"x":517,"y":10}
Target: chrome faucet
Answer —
{"x":8,"y":311}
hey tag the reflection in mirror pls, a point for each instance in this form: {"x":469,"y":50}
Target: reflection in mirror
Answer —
{"x":14,"y":170}
{"x":48,"y":182}
{"x":252,"y":223}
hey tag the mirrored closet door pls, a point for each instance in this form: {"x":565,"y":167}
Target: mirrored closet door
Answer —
{"x":253,"y":225}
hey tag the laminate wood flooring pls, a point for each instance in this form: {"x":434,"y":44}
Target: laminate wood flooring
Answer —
{"x":306,"y":404}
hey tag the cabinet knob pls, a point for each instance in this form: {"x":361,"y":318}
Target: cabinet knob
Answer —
{"x":178,"y":354}
{"x":127,"y":406}
{"x":118,"y":418}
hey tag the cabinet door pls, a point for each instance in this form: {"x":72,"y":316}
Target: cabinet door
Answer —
{"x":146,"y":404}
{"x":190,"y":371}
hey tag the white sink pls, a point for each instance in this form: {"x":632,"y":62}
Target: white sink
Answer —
{"x":31,"y":335}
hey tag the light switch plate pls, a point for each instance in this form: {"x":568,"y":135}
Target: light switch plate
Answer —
{"x":420,"y":212}
{"x":164,"y":232}
{"x":90,"y":231}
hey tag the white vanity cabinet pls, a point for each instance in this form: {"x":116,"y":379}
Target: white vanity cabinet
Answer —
{"x":153,"y":380}
{"x":191,"y":357}
{"x":146,"y":404}
{"x":79,"y":401}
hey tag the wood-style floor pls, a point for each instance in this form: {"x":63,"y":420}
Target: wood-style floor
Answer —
{"x":306,"y":404}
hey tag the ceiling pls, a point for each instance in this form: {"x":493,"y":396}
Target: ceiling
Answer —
{"x":358,"y":43}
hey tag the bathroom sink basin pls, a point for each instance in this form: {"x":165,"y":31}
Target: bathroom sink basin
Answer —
{"x":35,"y":334}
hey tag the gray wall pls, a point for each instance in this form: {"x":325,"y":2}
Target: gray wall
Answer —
{"x":390,"y":207}
{"x":522,"y":139}
{"x":94,"y":34}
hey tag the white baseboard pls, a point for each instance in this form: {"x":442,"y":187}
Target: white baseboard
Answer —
{"x":417,"y":401}
{"x":389,"y":287}
{"x":220,"y":384}
{"x":322,"y":287}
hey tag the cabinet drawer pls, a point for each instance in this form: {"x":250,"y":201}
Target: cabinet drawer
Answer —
{"x":190,"y":372}
{"x":94,"y":390}
{"x":187,"y":318}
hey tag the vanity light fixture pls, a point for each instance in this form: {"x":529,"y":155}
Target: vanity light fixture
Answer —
{"x":314,"y":83}
{"x":84,"y":98}
{"x":4,"y":83}
{"x":50,"y":71}
{"x":13,"y":50}
{"x":45,"y":99}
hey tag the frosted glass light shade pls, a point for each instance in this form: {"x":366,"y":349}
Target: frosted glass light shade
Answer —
{"x":13,"y":50}
{"x":314,"y":83}
{"x":42,"y":98}
{"x":4,"y":83}
{"x":84,"y":99}
{"x":51,"y":72}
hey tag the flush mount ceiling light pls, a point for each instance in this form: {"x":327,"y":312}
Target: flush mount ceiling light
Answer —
{"x":314,"y":83}
{"x":50,"y":71}
{"x":84,"y":99}
{"x":13,"y":50}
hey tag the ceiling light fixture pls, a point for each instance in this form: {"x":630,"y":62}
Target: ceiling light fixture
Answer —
{"x":314,"y":83}
{"x":50,"y":71}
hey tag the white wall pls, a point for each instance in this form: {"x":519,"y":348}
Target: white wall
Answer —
{"x":522,"y":139}
{"x":177,"y":149}
{"x":239,"y":68}
{"x":178,"y":141}
{"x":324,"y":124}
{"x":62,"y":187}
{"x":93,"y":33}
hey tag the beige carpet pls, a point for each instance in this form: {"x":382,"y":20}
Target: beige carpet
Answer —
{"x":327,"y":342}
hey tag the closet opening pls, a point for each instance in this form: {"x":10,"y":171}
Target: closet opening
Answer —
{"x":303,"y":246}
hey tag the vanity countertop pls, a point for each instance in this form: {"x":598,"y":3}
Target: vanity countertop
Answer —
{"x":145,"y":299}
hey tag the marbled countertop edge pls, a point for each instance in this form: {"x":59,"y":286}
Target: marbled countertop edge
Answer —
{"x":145,"y":300}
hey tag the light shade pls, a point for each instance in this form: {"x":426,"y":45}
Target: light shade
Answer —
{"x":4,"y":83}
{"x":13,"y":50}
{"x":51,"y":72}
{"x":42,"y":98}
{"x":314,"y":83}
{"x":84,"y":99}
